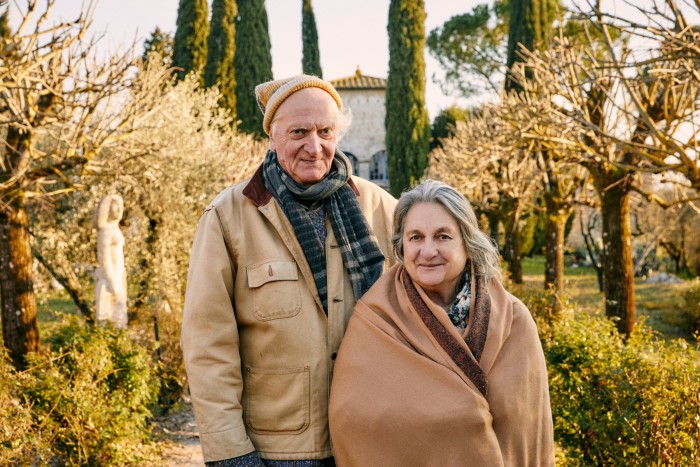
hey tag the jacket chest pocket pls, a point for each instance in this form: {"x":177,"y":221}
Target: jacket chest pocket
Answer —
{"x":275,"y":289}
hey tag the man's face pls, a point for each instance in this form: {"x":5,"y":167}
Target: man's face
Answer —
{"x":303,"y":135}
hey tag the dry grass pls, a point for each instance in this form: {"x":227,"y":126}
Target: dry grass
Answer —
{"x":657,"y":304}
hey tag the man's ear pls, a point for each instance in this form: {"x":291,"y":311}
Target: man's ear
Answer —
{"x":272,"y":145}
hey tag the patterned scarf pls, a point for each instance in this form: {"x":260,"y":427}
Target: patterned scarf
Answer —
{"x":459,"y":310}
{"x":362,"y":257}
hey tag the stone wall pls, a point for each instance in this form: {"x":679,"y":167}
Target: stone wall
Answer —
{"x":366,"y":135}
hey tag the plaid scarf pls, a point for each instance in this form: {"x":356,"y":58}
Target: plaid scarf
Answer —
{"x":362,"y":257}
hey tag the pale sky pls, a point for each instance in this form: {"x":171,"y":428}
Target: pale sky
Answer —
{"x":351,"y":33}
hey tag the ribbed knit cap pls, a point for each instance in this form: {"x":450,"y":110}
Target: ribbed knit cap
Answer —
{"x":271,"y":94}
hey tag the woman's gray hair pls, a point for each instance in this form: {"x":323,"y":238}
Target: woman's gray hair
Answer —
{"x":480,"y":248}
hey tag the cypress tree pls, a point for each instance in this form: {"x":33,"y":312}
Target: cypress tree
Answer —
{"x":530,"y":25}
{"x":221,"y":48}
{"x":190,"y":44}
{"x":407,"y":123}
{"x":311,"y":56}
{"x":252,"y":62}
{"x":160,"y":43}
{"x":5,"y":31}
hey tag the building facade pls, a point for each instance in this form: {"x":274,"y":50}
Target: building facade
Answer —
{"x":365,"y":143}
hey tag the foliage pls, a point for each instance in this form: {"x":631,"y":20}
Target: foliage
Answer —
{"x":311,"y":56}
{"x":529,"y":232}
{"x":668,"y":229}
{"x":690,"y":311}
{"x":194,"y":153}
{"x":5,"y":30}
{"x":488,"y":161}
{"x":444,"y":124}
{"x":190,"y":43}
{"x":529,"y":28}
{"x":89,"y":400}
{"x":19,"y":437}
{"x":221,"y":47}
{"x":407,"y":123}
{"x":471,"y":48}
{"x":534,"y":242}
{"x":252,"y":62}
{"x":62,"y":105}
{"x":619,"y":117}
{"x":592,"y":106}
{"x":615,"y":401}
{"x":160,"y":43}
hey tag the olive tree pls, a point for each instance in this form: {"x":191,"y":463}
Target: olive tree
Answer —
{"x":59,"y":107}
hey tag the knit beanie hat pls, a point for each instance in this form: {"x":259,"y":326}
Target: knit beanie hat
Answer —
{"x":271,"y":94}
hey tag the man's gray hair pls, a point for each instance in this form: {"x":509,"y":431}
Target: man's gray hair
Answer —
{"x":480,"y":248}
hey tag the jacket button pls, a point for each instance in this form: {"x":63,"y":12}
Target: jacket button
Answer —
{"x":334,"y":355}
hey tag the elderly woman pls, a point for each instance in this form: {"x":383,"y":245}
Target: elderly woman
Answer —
{"x":440,"y":365}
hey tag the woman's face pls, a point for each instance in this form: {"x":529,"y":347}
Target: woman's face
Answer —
{"x":433,"y":250}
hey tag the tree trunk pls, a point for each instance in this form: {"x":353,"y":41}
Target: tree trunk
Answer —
{"x":619,"y":265}
{"x":594,"y":253}
{"x":554,"y":252}
{"x":147,"y":277}
{"x":494,"y":220}
{"x":19,"y":313}
{"x":512,"y":250}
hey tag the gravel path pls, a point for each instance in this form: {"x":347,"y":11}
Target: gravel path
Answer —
{"x":177,"y":431}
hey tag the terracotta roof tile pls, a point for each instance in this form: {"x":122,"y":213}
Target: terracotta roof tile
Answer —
{"x":359,"y":81}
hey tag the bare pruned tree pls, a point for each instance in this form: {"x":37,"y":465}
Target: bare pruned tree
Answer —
{"x":490,"y":163}
{"x":547,"y":137}
{"x":634,"y":110}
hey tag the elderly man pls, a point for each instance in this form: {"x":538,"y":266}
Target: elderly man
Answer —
{"x":277,"y":265}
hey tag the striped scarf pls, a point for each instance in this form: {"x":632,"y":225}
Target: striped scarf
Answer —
{"x":362,"y":257}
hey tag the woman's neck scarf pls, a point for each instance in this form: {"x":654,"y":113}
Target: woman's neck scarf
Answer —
{"x":459,"y":310}
{"x":360,"y":250}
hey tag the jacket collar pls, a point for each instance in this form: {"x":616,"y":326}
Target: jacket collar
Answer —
{"x":255,"y":189}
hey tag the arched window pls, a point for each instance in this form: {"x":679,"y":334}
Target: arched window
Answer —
{"x":353,"y":162}
{"x":377,"y":167}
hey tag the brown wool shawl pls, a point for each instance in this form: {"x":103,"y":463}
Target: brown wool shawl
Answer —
{"x":409,"y":390}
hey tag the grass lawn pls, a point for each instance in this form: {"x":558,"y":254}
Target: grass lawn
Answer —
{"x":657,"y":304}
{"x":52,"y":306}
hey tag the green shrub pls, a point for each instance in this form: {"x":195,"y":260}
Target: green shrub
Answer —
{"x":633,"y":403}
{"x":90,"y":398}
{"x":19,"y":438}
{"x":690,"y":311}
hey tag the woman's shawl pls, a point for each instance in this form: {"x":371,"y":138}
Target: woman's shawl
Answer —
{"x":407,"y":388}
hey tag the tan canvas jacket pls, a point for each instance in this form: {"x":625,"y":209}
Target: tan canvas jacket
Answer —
{"x":258,"y":349}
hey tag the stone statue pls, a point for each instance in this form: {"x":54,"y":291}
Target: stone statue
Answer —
{"x":110,"y":275}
